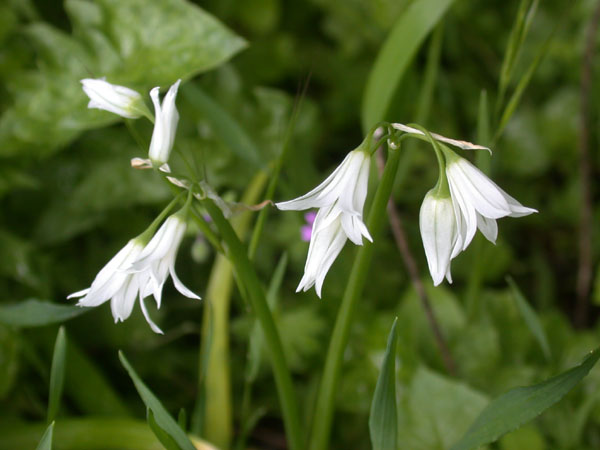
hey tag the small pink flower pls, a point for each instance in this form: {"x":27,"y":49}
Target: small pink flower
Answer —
{"x":306,"y":230}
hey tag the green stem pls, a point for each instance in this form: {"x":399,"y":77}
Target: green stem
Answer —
{"x":246,"y":276}
{"x":323,"y":415}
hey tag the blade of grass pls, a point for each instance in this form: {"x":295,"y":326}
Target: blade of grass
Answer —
{"x":57,"y":374}
{"x":46,"y":440}
{"x":383,"y":420}
{"x":405,"y":38}
{"x":162,"y":417}
{"x":530,"y":317}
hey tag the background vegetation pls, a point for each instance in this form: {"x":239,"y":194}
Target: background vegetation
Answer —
{"x":69,"y":201}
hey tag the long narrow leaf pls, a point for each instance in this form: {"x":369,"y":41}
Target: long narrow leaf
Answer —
{"x":46,"y":440}
{"x":409,"y":32}
{"x":520,"y":405}
{"x":383,"y":420}
{"x":160,"y":434}
{"x":57,"y":374}
{"x":36,"y":313}
{"x":162,"y":418}
{"x":530,"y":317}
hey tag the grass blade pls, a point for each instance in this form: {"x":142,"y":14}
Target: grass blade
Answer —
{"x":407,"y":35}
{"x":530,"y":317}
{"x":383,"y":420}
{"x":160,"y":415}
{"x":520,"y":405}
{"x":46,"y":440}
{"x":57,"y":374}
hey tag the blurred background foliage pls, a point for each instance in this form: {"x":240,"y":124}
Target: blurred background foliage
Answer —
{"x":69,"y":201}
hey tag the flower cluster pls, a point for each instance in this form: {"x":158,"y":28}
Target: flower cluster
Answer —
{"x":137,"y":271}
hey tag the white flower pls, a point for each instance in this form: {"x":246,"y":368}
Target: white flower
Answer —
{"x":326,"y":243}
{"x":117,"y":99}
{"x":478,"y":201}
{"x":115,"y":284}
{"x":158,"y":259}
{"x":165,"y":125}
{"x":346,"y":188}
{"x":341,"y":198}
{"x":439,"y":233}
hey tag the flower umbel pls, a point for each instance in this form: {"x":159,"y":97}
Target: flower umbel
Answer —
{"x":165,"y":125}
{"x":113,"y":98}
{"x":341,"y":198}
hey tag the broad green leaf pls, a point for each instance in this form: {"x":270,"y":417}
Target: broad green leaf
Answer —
{"x":409,"y":32}
{"x":520,"y":405}
{"x":46,"y":440}
{"x":383,"y":420}
{"x":136,"y":43}
{"x":57,"y":374}
{"x":436,"y":411}
{"x":224,"y":125}
{"x":530,"y":317}
{"x":36,"y":313}
{"x":162,"y":417}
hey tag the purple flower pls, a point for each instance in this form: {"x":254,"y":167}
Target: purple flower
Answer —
{"x":306,"y":230}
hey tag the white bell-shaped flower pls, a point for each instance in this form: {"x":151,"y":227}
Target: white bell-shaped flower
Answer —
{"x":478,"y":201}
{"x":115,"y":284}
{"x":158,"y":258}
{"x":110,"y":97}
{"x":165,"y":125}
{"x":439,"y":233}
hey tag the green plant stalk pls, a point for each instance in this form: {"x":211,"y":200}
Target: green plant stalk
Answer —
{"x":249,"y":282}
{"x":323,"y":413}
{"x":215,"y":385}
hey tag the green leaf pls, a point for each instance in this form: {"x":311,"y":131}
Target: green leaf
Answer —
{"x":530,"y":317}
{"x":383,"y":420}
{"x":46,"y":440}
{"x":36,"y":313}
{"x":393,"y":59}
{"x":225,"y":126}
{"x":520,"y":405}
{"x":57,"y":374}
{"x":162,"y":417}
{"x":135,"y":43}
{"x":426,"y":424}
{"x":160,"y":434}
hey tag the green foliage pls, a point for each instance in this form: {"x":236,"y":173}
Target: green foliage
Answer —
{"x":57,"y":374}
{"x":46,"y":440}
{"x":520,"y":405}
{"x":158,"y":416}
{"x":133,"y":43}
{"x":35,"y":313}
{"x":383,"y":420}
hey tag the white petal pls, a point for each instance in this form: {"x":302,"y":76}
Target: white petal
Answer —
{"x":488,"y":227}
{"x":180,"y":286}
{"x":148,"y":319}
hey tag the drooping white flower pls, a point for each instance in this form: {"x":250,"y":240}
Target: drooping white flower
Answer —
{"x":326,"y":242}
{"x":439,"y":233}
{"x":346,"y":188}
{"x":158,"y":259}
{"x":115,"y":284}
{"x":478,"y":201}
{"x":165,"y":125}
{"x":340,"y":199}
{"x":113,"y":98}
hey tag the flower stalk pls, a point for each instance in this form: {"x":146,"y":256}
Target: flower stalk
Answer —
{"x":319,"y":438}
